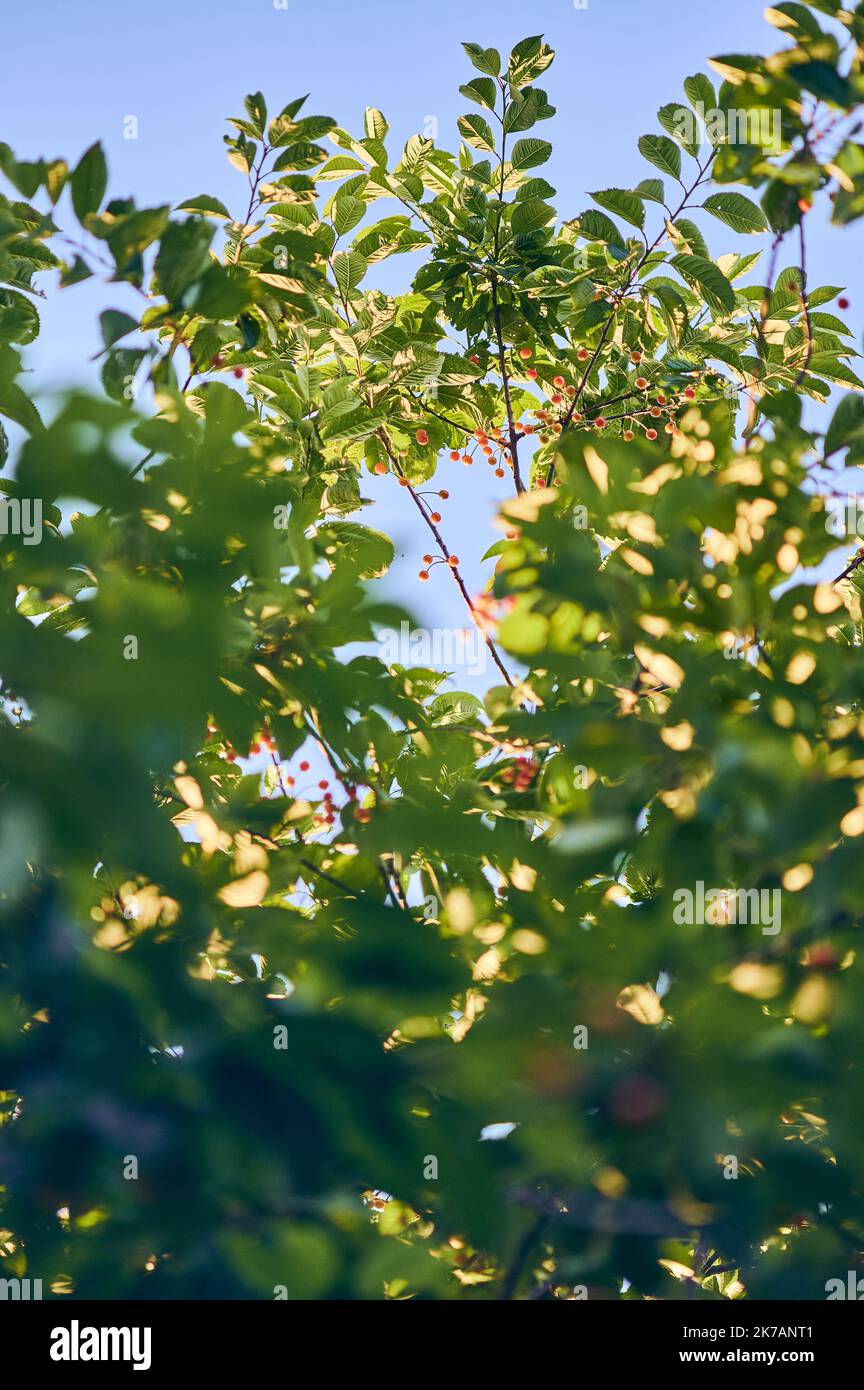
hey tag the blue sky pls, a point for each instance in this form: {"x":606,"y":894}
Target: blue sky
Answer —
{"x":74,"y":73}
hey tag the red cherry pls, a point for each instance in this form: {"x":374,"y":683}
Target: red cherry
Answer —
{"x":324,"y":784}
{"x":239,"y":372}
{"x":217,"y":361}
{"x":843,"y":303}
{"x":304,"y":767}
{"x":422,"y":437}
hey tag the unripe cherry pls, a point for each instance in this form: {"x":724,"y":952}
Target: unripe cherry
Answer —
{"x":635,"y":357}
{"x":424,"y":575}
{"x":453,"y":561}
{"x":558,"y":381}
{"x":650,"y":434}
{"x":435,"y":516}
{"x":380,"y":468}
{"x":532,"y":373}
{"x":444,"y":493}
{"x":641,"y":382}
{"x":454,"y":455}
{"x":582,"y":354}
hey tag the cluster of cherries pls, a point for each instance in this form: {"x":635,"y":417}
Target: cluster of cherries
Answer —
{"x":521,"y":773}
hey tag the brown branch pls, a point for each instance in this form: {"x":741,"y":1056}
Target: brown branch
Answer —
{"x":502,"y":362}
{"x":806,"y":306}
{"x":454,"y":569}
{"x":523,"y":1250}
{"x":859,"y":560}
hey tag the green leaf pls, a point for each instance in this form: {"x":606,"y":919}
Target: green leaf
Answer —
{"x":700,"y":93}
{"x":483,"y":90}
{"x":115,"y":325}
{"x":736,"y":211}
{"x":347,"y":212}
{"x":662,"y":152}
{"x":824,"y":81}
{"x":596,"y":226}
{"x":528,"y":59}
{"x":19,"y":321}
{"x":652,"y":189}
{"x":680,"y":123}
{"x":477,"y":132}
{"x":622,"y":202}
{"x":528,"y":154}
{"x":204,"y":204}
{"x":531,"y":215}
{"x":370,"y":551}
{"x":847,"y":424}
{"x":256,"y":108}
{"x":484,"y":59}
{"x":183,"y":256}
{"x":349,"y":267}
{"x":89,"y":181}
{"x":374,"y":124}
{"x":707,"y":278}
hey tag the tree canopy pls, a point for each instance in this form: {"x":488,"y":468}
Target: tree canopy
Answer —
{"x":320,"y":979}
